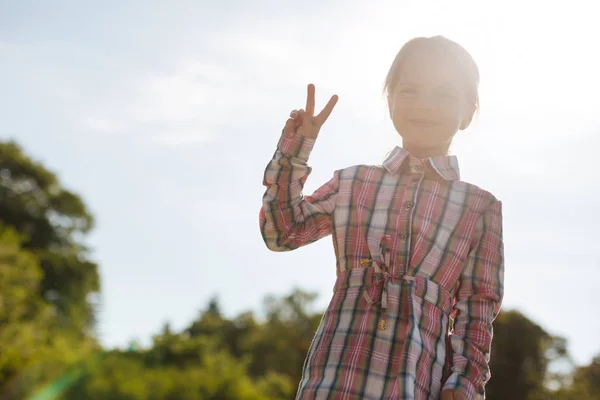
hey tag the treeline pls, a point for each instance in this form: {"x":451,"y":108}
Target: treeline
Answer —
{"x":48,"y":349}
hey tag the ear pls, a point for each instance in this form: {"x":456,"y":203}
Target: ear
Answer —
{"x":390,"y":104}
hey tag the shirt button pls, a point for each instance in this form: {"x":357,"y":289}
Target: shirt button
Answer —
{"x":409,"y":204}
{"x":403,"y":235}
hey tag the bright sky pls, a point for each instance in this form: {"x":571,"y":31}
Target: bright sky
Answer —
{"x":163,"y":116}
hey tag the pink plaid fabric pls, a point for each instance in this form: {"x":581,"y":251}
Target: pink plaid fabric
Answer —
{"x":416,"y":248}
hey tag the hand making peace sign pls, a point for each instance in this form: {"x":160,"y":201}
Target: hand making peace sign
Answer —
{"x":304,"y":122}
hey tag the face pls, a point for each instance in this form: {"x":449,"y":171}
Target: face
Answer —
{"x":429,"y":103}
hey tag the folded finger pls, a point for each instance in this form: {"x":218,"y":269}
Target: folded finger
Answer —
{"x":290,"y":126}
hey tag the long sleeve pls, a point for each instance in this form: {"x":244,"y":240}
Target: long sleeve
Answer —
{"x":477,"y":303}
{"x":288,"y":219}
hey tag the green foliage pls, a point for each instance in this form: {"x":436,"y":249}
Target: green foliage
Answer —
{"x":518,"y":363}
{"x":585,"y":383}
{"x":213,"y":374}
{"x":33,"y":347}
{"x":51,"y":221}
{"x":214,"y":358}
{"x":23,"y":317}
{"x":45,"y":276}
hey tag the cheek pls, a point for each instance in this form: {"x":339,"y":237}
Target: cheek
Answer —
{"x":450,"y":119}
{"x":400,"y":109}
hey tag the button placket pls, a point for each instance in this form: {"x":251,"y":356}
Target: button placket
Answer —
{"x":411,"y":212}
{"x":411,"y":207}
{"x":403,"y":227}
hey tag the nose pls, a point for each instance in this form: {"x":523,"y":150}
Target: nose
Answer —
{"x":425,"y":102}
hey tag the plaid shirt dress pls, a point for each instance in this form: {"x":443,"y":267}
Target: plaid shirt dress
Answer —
{"x":419,"y":266}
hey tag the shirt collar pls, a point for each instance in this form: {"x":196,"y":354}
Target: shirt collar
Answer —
{"x":444,"y":166}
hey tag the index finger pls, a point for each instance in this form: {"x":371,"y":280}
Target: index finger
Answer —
{"x":310,"y":100}
{"x":326,"y":112}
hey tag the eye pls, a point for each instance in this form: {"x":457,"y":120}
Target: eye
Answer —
{"x":407,"y":90}
{"x":448,"y":95}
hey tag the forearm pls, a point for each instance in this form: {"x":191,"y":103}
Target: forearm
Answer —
{"x":288,"y":219}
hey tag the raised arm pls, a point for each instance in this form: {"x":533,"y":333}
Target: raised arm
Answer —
{"x":288,"y":219}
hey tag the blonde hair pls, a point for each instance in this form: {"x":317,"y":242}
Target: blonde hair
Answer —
{"x":440,"y":47}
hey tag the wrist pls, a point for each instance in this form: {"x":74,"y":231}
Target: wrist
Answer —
{"x":296,"y":146}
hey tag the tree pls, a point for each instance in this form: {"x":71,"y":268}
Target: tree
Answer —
{"x":177,"y":367}
{"x":521,"y":354}
{"x":585,"y":383}
{"x":282,"y":342}
{"x":52,"y":222}
{"x":46,"y":278}
{"x":214,"y":358}
{"x":24,"y":318}
{"x":279,"y":345}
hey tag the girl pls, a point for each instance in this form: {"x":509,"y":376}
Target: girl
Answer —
{"x":420,"y":258}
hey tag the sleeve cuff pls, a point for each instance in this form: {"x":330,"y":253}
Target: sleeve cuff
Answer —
{"x":296,"y":146}
{"x":461,"y":384}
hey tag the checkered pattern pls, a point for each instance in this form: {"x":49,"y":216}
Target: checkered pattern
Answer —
{"x":415,"y":248}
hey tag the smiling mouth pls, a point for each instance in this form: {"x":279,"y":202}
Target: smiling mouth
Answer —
{"x":422,"y":122}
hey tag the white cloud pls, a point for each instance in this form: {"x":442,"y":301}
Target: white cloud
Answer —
{"x":170,"y":108}
{"x":182,"y":102}
{"x":173,"y":97}
{"x":182,"y":139}
{"x":101,"y":125}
